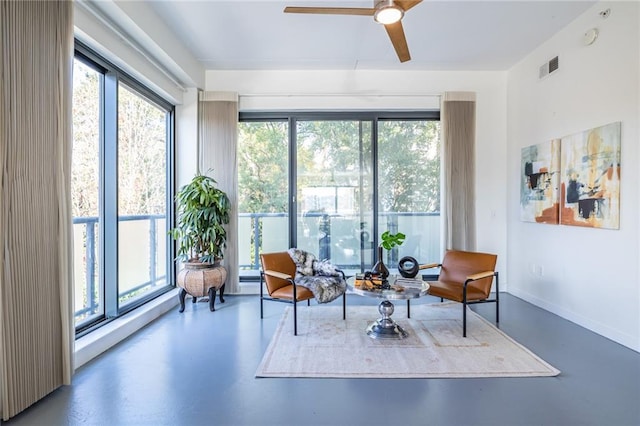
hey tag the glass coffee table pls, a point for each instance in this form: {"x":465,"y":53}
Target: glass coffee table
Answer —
{"x":400,"y":289}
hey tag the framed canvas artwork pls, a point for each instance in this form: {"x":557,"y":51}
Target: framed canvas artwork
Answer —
{"x":540,"y":182}
{"x":590,"y":189}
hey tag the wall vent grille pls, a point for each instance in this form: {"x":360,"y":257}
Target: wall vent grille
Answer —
{"x":549,"y":67}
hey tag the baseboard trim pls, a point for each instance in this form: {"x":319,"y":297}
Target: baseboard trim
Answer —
{"x":249,"y":287}
{"x":603,"y":330}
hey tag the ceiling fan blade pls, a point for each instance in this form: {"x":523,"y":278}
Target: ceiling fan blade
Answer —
{"x":407,"y":4}
{"x":396,"y":34}
{"x":331,"y":10}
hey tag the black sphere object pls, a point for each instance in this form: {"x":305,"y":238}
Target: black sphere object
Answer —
{"x":408,"y":267}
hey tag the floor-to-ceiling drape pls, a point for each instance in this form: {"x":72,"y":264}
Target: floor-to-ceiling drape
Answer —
{"x":458,"y":121}
{"x":36,"y":308}
{"x":218,"y":144}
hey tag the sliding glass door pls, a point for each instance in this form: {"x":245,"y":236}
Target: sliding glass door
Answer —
{"x":334,"y":191}
{"x":143,"y":131}
{"x":263,"y":191}
{"x":332,"y":183}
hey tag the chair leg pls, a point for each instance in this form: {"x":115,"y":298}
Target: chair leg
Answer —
{"x":261,"y":300}
{"x":464,"y":309}
{"x":464,"y":319}
{"x":308,"y":302}
{"x":344,"y":305}
{"x":408,"y":308}
{"x":497,"y":299}
{"x":295,"y":317}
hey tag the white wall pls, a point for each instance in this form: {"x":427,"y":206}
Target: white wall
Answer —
{"x":340,"y":90}
{"x":589,"y":276}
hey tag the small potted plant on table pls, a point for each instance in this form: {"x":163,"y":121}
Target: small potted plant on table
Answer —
{"x":202,"y":211}
{"x":388,"y":241}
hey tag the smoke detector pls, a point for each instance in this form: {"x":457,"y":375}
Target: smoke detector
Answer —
{"x":590,"y":36}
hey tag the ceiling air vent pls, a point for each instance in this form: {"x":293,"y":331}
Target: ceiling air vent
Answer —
{"x":549,"y":67}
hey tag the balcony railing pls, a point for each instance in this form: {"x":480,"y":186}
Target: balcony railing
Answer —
{"x":340,"y":238}
{"x":343,"y":239}
{"x":87,"y":293}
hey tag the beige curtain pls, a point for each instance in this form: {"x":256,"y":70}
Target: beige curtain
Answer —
{"x":218,"y":143}
{"x":458,"y":120}
{"x":36,"y":307}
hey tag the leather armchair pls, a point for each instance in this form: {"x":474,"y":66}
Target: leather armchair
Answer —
{"x":466,"y":277}
{"x":278,"y":277}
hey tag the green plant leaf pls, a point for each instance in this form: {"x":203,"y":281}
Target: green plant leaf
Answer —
{"x":389,"y":240}
{"x":202,"y":211}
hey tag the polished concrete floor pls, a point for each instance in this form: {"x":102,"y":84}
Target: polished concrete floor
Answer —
{"x":197,"y":368}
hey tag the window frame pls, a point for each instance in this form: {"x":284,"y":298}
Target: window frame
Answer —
{"x":292,"y":118}
{"x":107,"y":249}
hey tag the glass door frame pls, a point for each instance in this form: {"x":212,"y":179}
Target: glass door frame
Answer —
{"x":293,"y":117}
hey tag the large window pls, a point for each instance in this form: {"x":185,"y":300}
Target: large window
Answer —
{"x":121,"y":192}
{"x":333,"y":183}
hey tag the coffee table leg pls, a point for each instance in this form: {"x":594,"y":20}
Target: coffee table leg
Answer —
{"x":385,"y":327}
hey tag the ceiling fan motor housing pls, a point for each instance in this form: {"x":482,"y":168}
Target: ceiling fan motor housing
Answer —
{"x":387,"y":12}
{"x":383,"y":3}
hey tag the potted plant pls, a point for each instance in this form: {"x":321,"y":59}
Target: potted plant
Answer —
{"x":203,"y":211}
{"x":387,"y":241}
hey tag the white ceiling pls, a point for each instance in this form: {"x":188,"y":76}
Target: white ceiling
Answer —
{"x":442,"y":35}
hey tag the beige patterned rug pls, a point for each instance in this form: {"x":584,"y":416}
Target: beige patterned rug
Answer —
{"x":327,"y":346}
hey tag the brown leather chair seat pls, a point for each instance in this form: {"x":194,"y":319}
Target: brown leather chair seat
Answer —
{"x":286,"y":292}
{"x":451,"y":291}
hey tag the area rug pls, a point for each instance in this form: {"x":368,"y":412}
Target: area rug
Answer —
{"x":328,"y":346}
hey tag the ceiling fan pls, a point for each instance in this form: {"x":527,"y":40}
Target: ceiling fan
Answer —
{"x":386,"y":12}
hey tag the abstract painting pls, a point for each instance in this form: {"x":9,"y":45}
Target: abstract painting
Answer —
{"x":540,"y":182}
{"x":590,"y":189}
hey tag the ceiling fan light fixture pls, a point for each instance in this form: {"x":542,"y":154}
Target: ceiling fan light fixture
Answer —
{"x":387,"y":13}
